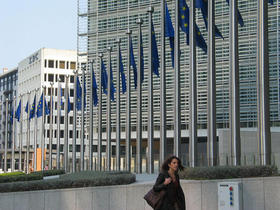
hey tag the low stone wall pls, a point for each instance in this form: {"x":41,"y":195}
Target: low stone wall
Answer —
{"x":258,"y":194}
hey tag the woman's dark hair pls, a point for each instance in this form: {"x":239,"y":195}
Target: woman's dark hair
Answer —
{"x":165,"y":167}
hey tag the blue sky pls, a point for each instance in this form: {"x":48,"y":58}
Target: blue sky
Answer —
{"x":28,"y":25}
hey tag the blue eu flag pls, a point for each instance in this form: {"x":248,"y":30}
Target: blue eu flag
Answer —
{"x":203,"y":5}
{"x":122,"y":74}
{"x":169,"y":32}
{"x":47,"y":109}
{"x":113,"y":90}
{"x":78,"y":95}
{"x":12,"y":115}
{"x":68,"y":104}
{"x":26,"y":107}
{"x":18,"y":111}
{"x":239,"y":17}
{"x":133,"y":64}
{"x":200,"y":42}
{"x":40,"y":107}
{"x":155,"y":59}
{"x":61,"y":102}
{"x":104,"y":77}
{"x":94,"y":87}
{"x":184,"y":16}
{"x":32,"y":110}
{"x":141,"y":58}
{"x":184,"y":25}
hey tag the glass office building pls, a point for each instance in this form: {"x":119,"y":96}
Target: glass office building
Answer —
{"x":100,"y":22}
{"x":8,"y":84}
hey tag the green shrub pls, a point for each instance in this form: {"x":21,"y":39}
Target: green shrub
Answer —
{"x":20,"y":177}
{"x":74,"y":180}
{"x":12,"y":173}
{"x":228,"y":172}
{"x":49,"y":172}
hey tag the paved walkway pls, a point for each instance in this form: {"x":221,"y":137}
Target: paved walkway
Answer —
{"x":149,"y":178}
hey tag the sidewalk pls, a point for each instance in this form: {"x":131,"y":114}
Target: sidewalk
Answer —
{"x":146,"y":178}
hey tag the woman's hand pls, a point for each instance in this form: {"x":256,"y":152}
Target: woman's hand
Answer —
{"x":167,"y":181}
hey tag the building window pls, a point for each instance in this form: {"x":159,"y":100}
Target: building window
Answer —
{"x":50,"y":77}
{"x":94,"y":148}
{"x":71,"y":120}
{"x":72,"y":65}
{"x":71,"y":93}
{"x":67,"y":65}
{"x":71,"y":79}
{"x":62,"y":120}
{"x":62,"y":64}
{"x":49,"y":91}
{"x":61,"y":133}
{"x":51,"y":64}
{"x":61,"y":77}
{"x":45,"y":63}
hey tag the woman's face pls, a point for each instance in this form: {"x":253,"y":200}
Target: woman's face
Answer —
{"x":174,"y":164}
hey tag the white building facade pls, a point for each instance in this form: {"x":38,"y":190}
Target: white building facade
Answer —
{"x":44,"y":68}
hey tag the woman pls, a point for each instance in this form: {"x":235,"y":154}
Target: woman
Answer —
{"x":168,"y":180}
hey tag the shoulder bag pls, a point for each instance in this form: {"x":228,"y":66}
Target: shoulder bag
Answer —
{"x":155,"y":199}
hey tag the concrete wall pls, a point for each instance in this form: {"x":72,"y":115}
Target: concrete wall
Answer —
{"x":258,"y":194}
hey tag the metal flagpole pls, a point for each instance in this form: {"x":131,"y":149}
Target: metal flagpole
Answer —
{"x":82,"y":141}
{"x":108,"y":146}
{"x":66,"y":111}
{"x":51,"y":127}
{"x":128,"y":108}
{"x":211,"y":110}
{"x":99,"y":146}
{"x":234,"y":110}
{"x":6,"y":135}
{"x":150,"y":98}
{"x":58,"y":114}
{"x":74,"y":141}
{"x":118,"y":107}
{"x":28,"y":134}
{"x":177,"y":107}
{"x":35,"y":135}
{"x":1,"y":155}
{"x":264,"y":135}
{"x":13,"y":134}
{"x":193,"y":90}
{"x":43,"y":129}
{"x":139,"y":102}
{"x":91,"y":116}
{"x":20,"y":136}
{"x":1,"y":152}
{"x":163,"y":140}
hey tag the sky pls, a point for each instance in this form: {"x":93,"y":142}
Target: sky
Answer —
{"x":28,"y":25}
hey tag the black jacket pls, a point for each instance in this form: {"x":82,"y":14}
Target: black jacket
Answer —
{"x":172,"y":194}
